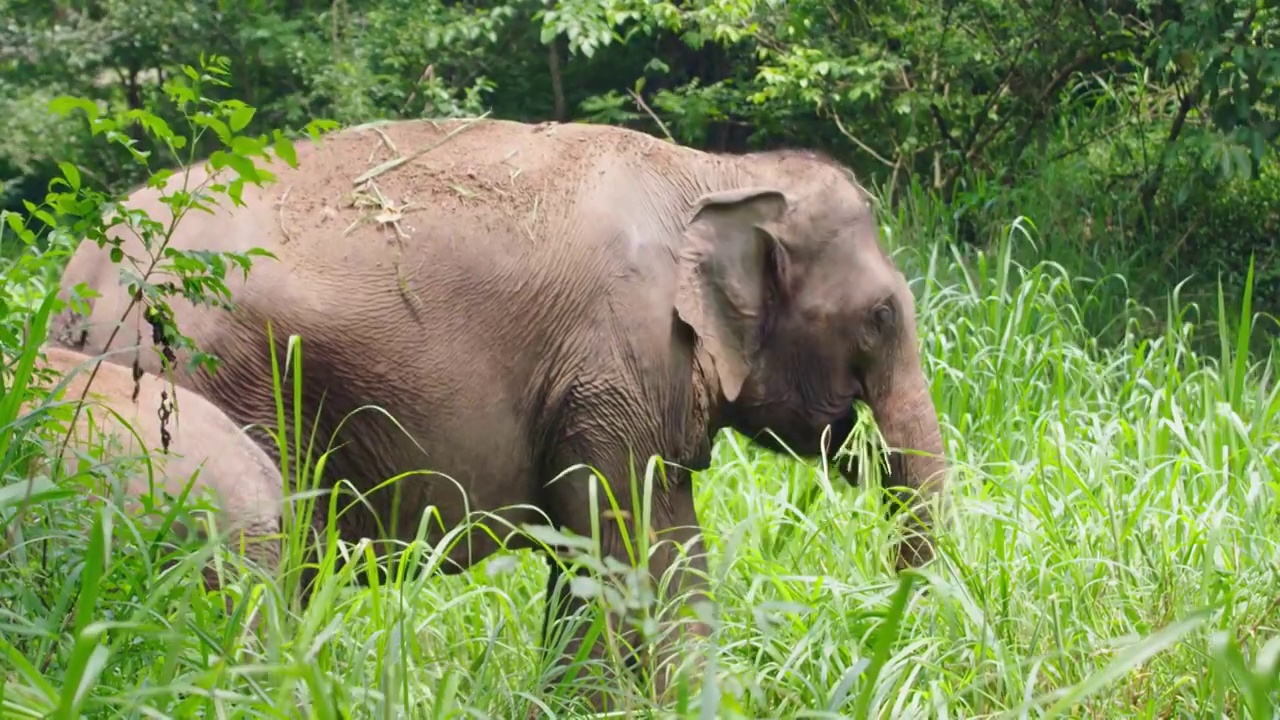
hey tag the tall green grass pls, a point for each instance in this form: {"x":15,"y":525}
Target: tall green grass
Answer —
{"x":1114,"y":551}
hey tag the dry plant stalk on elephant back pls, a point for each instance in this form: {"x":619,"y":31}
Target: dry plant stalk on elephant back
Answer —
{"x":525,"y":298}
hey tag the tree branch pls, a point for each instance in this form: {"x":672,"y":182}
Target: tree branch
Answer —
{"x":1038,"y":111}
{"x":560,"y":113}
{"x":866,"y":148}
{"x":1150,"y":185}
{"x":981,"y":118}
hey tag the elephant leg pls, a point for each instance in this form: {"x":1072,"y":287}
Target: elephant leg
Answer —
{"x":672,"y":519}
{"x":678,"y":566}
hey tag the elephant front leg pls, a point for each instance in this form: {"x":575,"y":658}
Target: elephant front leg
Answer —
{"x":657,"y":569}
{"x":678,"y":566}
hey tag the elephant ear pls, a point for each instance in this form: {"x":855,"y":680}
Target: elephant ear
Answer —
{"x":732,"y":272}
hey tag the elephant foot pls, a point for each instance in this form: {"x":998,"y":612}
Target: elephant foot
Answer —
{"x":604,"y":682}
{"x":914,"y":551}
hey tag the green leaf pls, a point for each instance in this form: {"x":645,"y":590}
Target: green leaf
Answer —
{"x":219,"y":128}
{"x":18,"y":226}
{"x":219,"y":159}
{"x":88,"y":655}
{"x":97,"y":558}
{"x":40,"y":686}
{"x":36,"y":490}
{"x":240,"y":117}
{"x":243,"y":166}
{"x":584,"y":586}
{"x":71,"y":173}
{"x":285,"y":150}
{"x":886,"y":636}
{"x":317,"y":128}
{"x":246,"y":146}
{"x":552,"y":537}
{"x":65,"y":104}
{"x":159,"y":177}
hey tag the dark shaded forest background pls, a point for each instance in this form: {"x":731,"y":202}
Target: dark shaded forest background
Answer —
{"x":1137,"y":137}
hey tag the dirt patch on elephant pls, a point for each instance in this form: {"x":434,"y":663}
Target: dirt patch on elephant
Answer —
{"x":424,"y":170}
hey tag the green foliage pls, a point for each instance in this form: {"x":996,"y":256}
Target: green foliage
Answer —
{"x":72,"y":211}
{"x":80,"y":212}
{"x":70,"y":610}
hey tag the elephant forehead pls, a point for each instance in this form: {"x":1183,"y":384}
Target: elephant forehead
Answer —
{"x":838,"y":232}
{"x":847,"y":281}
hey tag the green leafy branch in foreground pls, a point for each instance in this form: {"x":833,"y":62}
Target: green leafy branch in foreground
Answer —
{"x":71,"y":212}
{"x":81,"y":212}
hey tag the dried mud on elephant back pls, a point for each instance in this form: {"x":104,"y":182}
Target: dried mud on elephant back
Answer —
{"x":405,"y":173}
{"x":401,"y":179}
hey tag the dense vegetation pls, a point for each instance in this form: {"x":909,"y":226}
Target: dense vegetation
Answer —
{"x":1048,"y":173}
{"x":1133,"y":134}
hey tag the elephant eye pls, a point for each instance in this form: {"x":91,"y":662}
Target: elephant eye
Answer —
{"x":882,"y":317}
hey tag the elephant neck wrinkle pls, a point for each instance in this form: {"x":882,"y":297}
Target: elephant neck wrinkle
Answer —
{"x":680,"y":187}
{"x":703,"y":419}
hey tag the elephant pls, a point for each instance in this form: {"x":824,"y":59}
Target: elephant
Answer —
{"x":247,"y":488}
{"x":532,"y":300}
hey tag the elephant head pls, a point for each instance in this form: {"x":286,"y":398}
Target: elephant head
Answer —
{"x":801,"y":312}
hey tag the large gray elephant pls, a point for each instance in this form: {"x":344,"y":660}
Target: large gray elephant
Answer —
{"x":526,"y":298}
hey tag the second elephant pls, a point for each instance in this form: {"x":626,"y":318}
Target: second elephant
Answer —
{"x":206,"y":452}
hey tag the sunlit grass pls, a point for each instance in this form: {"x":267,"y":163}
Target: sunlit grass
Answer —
{"x":1114,"y":551}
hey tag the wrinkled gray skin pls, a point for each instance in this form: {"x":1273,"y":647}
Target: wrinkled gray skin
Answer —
{"x":559,"y":294}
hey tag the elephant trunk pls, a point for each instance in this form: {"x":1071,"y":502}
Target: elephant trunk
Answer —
{"x":905,"y":414}
{"x":917,"y":470}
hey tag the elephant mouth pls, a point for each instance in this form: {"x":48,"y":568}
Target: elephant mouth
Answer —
{"x":841,"y":428}
{"x":848,"y":464}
